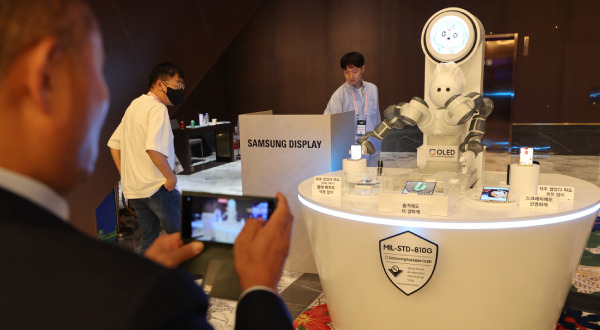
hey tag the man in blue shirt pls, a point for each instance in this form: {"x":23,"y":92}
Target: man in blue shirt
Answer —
{"x":358,"y":96}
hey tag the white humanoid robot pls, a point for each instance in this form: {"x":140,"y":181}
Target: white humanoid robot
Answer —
{"x":452,"y":114}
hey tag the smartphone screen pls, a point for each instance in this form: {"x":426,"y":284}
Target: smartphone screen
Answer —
{"x":419,"y":187}
{"x":494,"y":194}
{"x":356,"y":151}
{"x":526,"y":156}
{"x":220,"y":218}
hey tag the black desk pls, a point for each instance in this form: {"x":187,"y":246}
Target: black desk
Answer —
{"x":220,"y":133}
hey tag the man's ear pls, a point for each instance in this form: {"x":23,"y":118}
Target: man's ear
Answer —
{"x":159,"y":85}
{"x":40,"y":59}
{"x":362,"y":69}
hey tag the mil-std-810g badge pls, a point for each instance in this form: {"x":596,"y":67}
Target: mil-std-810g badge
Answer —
{"x":408,"y":260}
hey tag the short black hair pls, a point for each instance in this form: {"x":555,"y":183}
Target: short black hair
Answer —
{"x":162,"y":71}
{"x":352,"y":59}
{"x":24,"y":23}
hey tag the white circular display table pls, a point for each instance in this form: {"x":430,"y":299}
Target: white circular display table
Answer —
{"x":495,"y":267}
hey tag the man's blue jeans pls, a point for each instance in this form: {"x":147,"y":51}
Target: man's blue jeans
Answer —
{"x":163,"y":206}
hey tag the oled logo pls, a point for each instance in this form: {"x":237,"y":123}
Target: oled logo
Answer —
{"x":443,"y":153}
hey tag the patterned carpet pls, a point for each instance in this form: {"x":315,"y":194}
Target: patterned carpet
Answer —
{"x":587,"y":281}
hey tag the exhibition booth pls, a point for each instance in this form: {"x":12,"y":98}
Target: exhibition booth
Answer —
{"x":447,"y":244}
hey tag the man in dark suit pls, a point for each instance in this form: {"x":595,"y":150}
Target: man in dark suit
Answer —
{"x":53,"y":100}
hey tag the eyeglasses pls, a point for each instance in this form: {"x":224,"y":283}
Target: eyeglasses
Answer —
{"x":179,"y":86}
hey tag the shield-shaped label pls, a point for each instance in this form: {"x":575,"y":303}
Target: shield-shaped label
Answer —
{"x":408,"y":260}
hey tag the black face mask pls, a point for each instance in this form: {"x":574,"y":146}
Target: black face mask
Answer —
{"x":175,"y":96}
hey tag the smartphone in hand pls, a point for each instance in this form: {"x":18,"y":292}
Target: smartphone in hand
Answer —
{"x":220,"y":218}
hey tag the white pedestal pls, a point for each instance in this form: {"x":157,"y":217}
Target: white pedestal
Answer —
{"x":507,"y":268}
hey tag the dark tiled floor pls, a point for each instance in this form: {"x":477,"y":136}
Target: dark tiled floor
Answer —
{"x":302,"y":293}
{"x":298,"y":296}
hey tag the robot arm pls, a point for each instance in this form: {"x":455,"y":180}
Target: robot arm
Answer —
{"x":471,"y":147}
{"x":391,"y":120}
{"x":472,"y":141}
{"x":415,"y":112}
{"x":461,"y":108}
{"x":397,"y":116}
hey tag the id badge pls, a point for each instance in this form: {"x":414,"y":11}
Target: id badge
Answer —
{"x":361,"y":127}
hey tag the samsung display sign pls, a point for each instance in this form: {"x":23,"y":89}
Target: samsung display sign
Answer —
{"x":280,"y":143}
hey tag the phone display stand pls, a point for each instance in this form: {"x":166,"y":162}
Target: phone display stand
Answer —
{"x":363,"y":181}
{"x":392,"y":198}
{"x":473,"y":198}
{"x":524,"y":179}
{"x":427,"y":205}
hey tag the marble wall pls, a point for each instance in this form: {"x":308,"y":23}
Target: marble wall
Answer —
{"x":557,"y":139}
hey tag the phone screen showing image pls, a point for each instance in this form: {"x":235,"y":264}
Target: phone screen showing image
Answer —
{"x":497,"y":194}
{"x":526,"y":156}
{"x":220,"y":218}
{"x":419,"y":187}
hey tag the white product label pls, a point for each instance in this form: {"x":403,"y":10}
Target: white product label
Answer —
{"x":327,"y":186}
{"x":408,"y":260}
{"x":412,"y":209}
{"x":556,"y":191}
{"x":442,"y":153}
{"x":539,"y":202}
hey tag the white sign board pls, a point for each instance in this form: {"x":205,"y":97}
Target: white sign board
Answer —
{"x":327,"y":186}
{"x":556,"y":191}
{"x":280,"y":151}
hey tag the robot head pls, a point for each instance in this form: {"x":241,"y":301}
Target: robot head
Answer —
{"x":448,"y":80}
{"x":450,"y":35}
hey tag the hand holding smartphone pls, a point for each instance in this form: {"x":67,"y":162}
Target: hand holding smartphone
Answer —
{"x":217,"y":220}
{"x":220,"y":218}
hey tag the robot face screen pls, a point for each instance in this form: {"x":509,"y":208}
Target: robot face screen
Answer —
{"x":449,"y":35}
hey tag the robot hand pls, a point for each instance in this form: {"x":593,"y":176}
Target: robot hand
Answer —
{"x":461,"y":108}
{"x":393,"y":117}
{"x":367,"y":146}
{"x":467,"y":161}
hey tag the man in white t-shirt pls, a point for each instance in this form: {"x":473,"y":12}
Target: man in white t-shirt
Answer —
{"x":142,"y":148}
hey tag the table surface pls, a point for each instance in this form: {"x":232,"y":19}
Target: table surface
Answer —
{"x":461,"y":210}
{"x":210,"y":125}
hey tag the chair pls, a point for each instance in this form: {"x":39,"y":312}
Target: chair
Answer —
{"x":194,"y":142}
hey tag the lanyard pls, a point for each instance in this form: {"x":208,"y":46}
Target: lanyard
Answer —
{"x":154,"y":96}
{"x":354,"y":99}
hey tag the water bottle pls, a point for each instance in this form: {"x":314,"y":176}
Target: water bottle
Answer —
{"x":206,"y":120}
